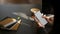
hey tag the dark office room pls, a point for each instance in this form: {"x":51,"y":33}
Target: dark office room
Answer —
{"x":26,"y":16}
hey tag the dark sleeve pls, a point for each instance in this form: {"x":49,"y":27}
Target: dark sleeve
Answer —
{"x":41,"y":31}
{"x":45,"y":30}
{"x":48,"y":27}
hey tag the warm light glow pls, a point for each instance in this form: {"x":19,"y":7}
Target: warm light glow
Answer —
{"x":2,"y":1}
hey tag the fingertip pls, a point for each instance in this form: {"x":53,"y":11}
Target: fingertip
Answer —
{"x":44,"y":15}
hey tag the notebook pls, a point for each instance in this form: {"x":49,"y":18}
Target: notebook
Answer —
{"x":6,"y":22}
{"x":15,"y":26}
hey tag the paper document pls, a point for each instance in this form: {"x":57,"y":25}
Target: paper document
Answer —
{"x":39,"y":16}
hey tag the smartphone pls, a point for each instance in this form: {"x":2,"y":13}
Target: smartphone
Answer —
{"x":40,"y":18}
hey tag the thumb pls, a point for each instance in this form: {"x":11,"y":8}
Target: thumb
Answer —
{"x":44,"y":16}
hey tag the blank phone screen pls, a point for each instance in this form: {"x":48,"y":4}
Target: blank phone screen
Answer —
{"x":39,"y":17}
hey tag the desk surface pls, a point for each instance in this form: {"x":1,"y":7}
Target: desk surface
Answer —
{"x":27,"y":26}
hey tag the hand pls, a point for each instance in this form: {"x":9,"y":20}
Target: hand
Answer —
{"x":38,"y":22}
{"x":50,"y":20}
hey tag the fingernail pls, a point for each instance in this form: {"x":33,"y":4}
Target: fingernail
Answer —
{"x":42,"y":13}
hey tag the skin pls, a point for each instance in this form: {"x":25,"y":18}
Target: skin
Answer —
{"x":50,"y":20}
